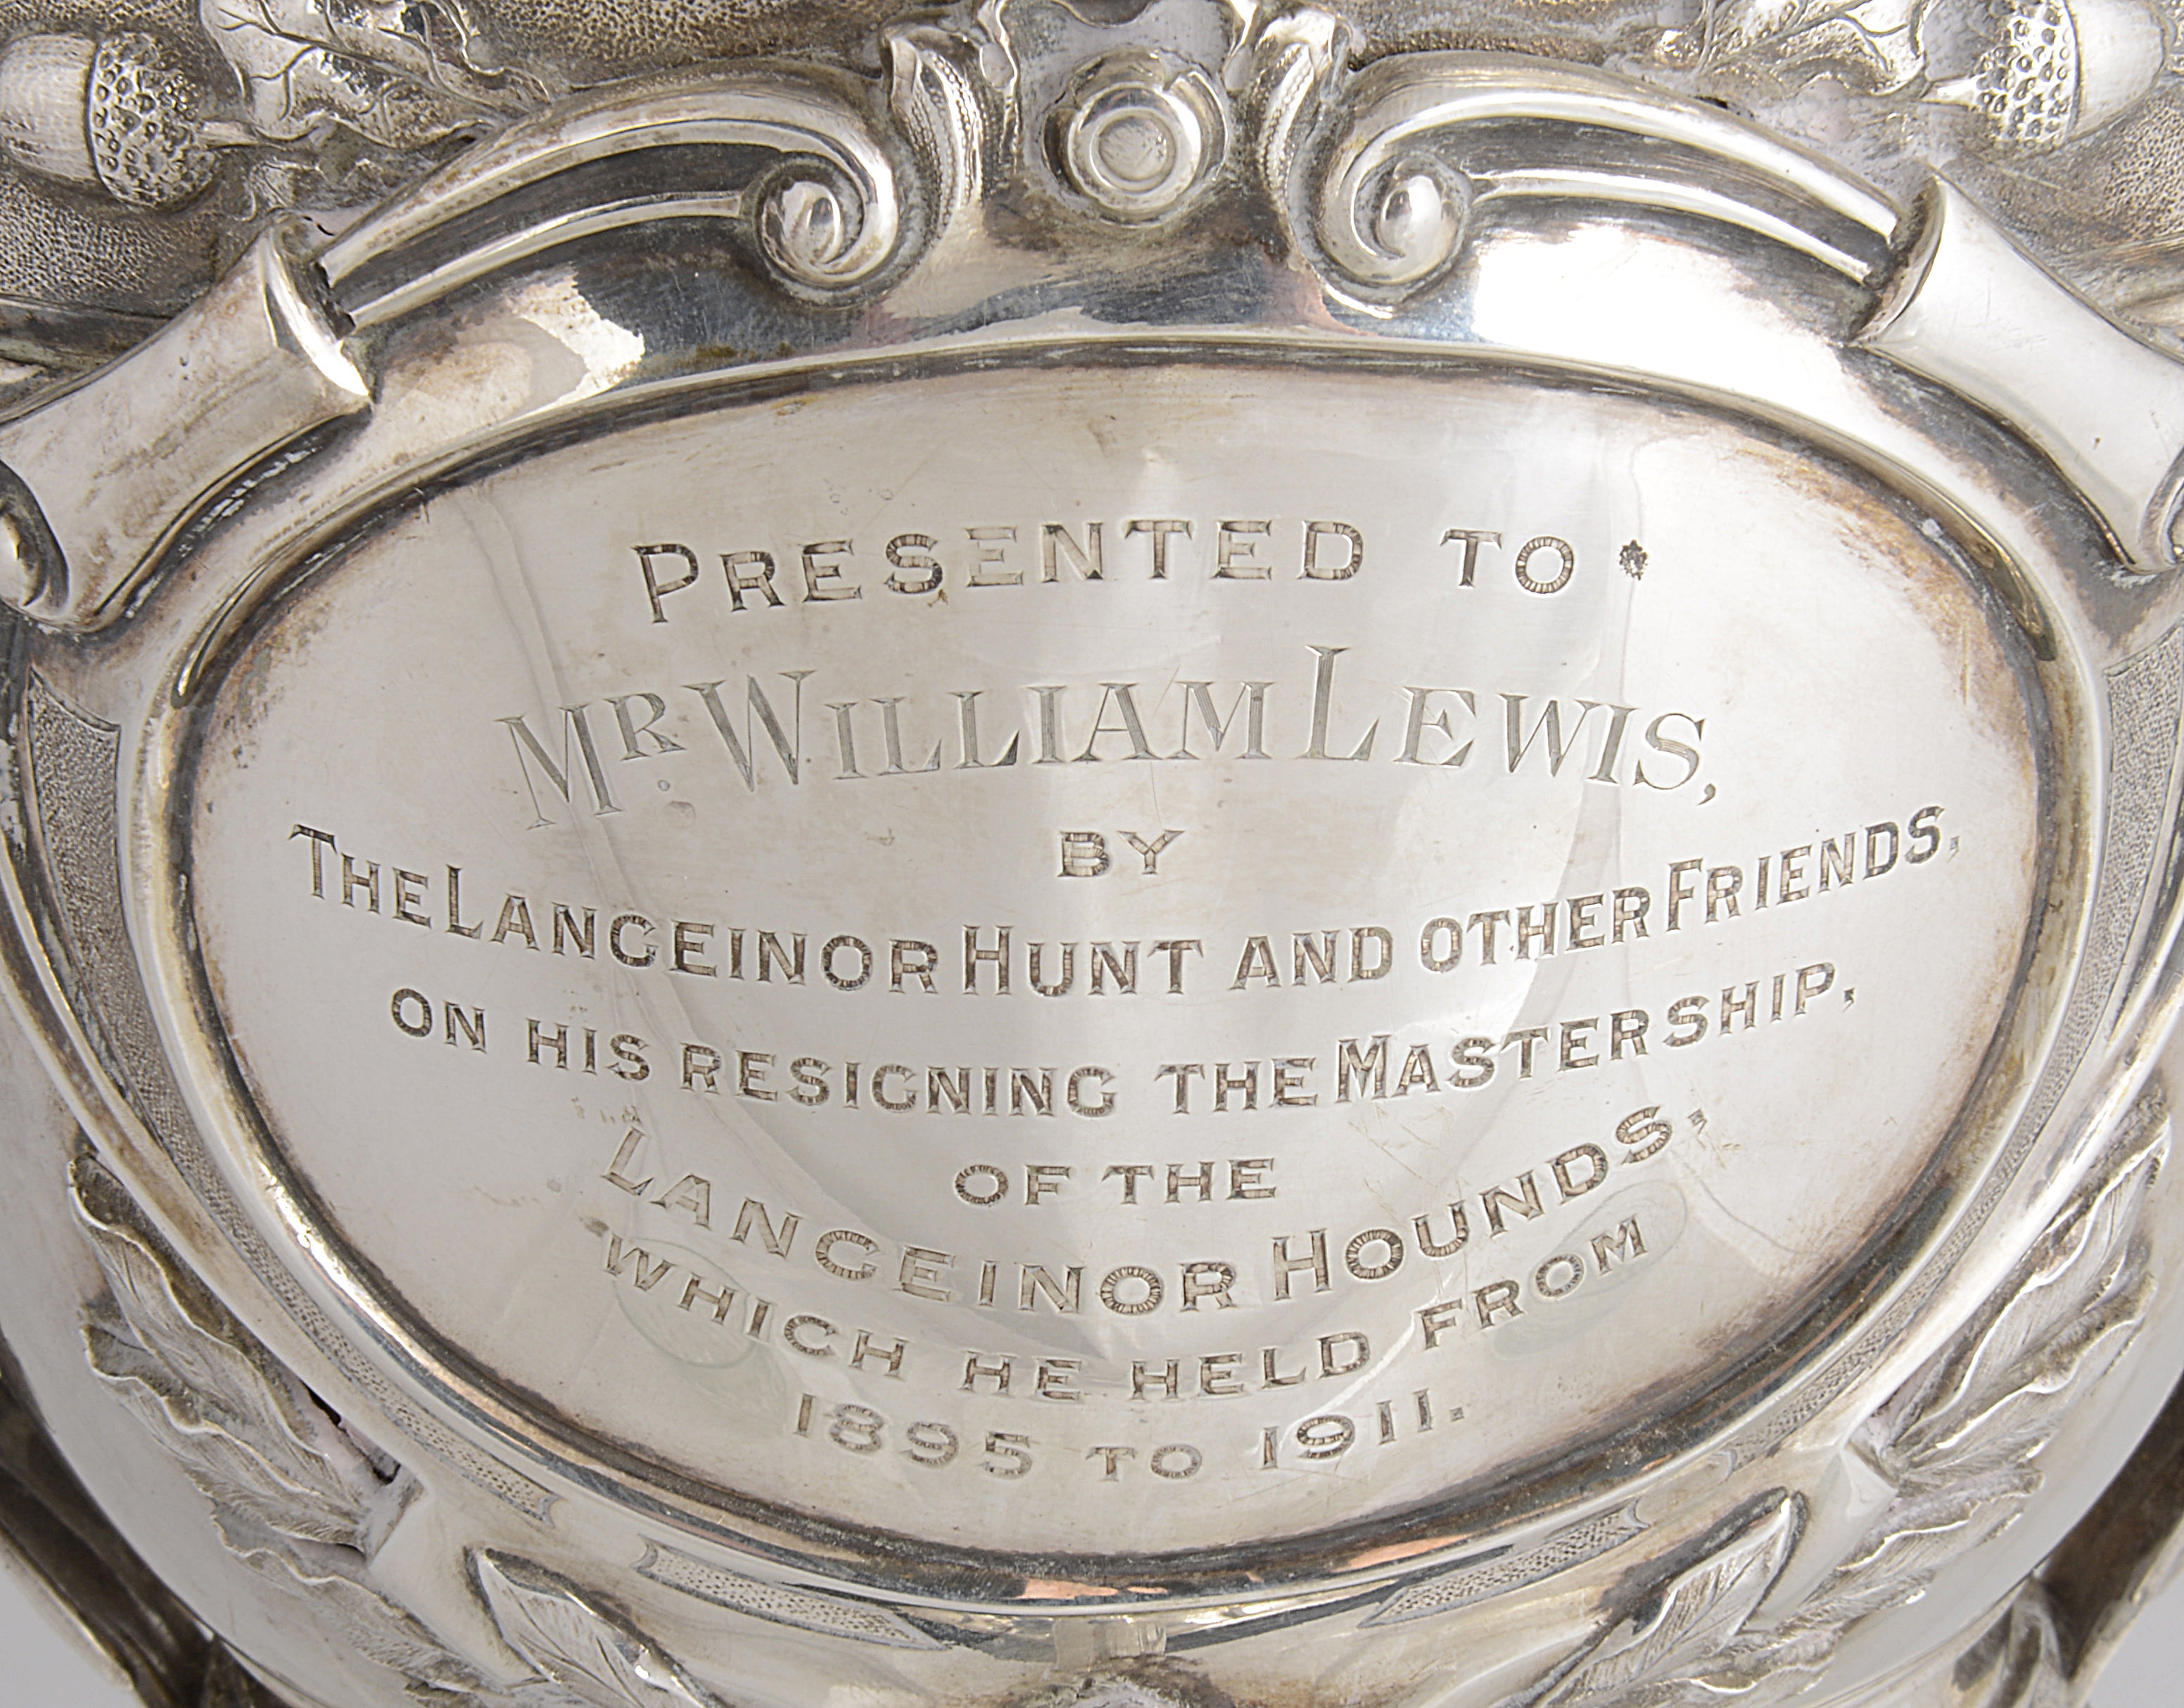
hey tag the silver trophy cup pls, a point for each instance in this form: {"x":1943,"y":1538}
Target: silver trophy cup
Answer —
{"x":1171,"y":855}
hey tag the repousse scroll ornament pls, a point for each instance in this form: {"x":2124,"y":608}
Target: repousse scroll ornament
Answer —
{"x":1175,"y":854}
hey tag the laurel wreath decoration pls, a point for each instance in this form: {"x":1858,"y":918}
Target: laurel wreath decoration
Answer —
{"x":251,"y":1436}
{"x":1666,"y":1639}
{"x":1959,"y":1442}
{"x":293,"y":1491}
{"x":299,"y":1495}
{"x":585,"y":1657}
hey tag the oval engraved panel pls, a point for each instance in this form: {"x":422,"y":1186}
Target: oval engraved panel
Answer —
{"x":967,"y":952}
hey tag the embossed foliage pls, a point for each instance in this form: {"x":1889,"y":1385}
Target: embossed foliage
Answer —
{"x":293,"y":1492}
{"x":586,"y":1657}
{"x":402,"y":75}
{"x":1872,"y":46}
{"x":1660,"y":1650}
{"x":1962,"y":1438}
{"x":250,"y":1435}
{"x":1959,"y":1442}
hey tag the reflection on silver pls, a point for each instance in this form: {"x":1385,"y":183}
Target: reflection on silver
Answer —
{"x":781,"y":1604}
{"x":1468,"y":1583}
{"x":1180,"y":854}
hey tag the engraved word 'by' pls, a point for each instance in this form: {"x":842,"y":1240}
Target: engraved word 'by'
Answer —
{"x":1084,"y":853}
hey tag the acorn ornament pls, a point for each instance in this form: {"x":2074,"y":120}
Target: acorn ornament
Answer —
{"x":2059,"y":69}
{"x":116,"y":113}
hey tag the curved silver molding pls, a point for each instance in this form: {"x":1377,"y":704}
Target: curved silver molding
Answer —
{"x":1550,"y":718}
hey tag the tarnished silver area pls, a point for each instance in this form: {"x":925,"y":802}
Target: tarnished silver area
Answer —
{"x":1172,"y":854}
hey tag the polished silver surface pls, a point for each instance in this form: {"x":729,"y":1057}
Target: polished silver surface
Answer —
{"x":1175,"y":855}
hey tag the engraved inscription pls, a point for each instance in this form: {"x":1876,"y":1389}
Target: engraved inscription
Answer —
{"x":996,"y":727}
{"x":1150,"y":931}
